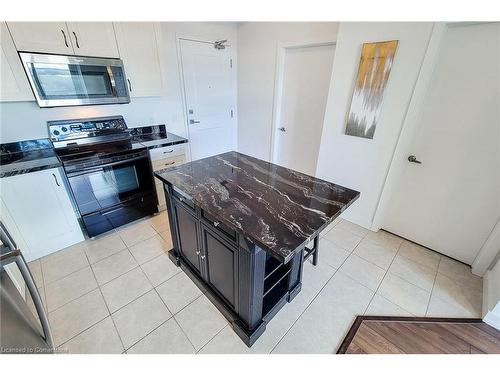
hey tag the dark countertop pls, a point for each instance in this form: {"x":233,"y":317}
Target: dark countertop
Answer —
{"x":27,"y":156}
{"x":39,"y":154}
{"x":276,"y":208}
{"x":155,"y":136}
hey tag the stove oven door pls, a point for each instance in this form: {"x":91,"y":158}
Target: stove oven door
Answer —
{"x":112,"y":194}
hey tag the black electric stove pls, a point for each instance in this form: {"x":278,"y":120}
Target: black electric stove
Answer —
{"x":110,"y":177}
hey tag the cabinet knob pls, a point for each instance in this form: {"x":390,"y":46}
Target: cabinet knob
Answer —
{"x":197,"y":253}
{"x":202,"y":257}
{"x":216,"y":223}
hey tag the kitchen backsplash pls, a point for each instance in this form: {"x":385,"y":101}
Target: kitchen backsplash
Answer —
{"x":25,"y":120}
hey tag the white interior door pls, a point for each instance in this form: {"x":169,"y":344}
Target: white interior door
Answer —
{"x":451,"y":201}
{"x":306,"y":74}
{"x":210,"y":97}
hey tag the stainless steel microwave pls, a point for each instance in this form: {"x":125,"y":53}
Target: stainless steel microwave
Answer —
{"x":59,"y":81}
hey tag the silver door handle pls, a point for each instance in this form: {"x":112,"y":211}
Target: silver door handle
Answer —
{"x":282,"y":129}
{"x":191,"y":122}
{"x":413,"y":159}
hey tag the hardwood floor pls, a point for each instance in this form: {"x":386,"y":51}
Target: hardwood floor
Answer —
{"x":402,"y":335}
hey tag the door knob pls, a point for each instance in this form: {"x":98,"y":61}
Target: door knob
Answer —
{"x":413,"y":159}
{"x":282,"y":129}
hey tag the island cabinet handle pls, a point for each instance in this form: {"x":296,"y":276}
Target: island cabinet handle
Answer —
{"x":216,"y":223}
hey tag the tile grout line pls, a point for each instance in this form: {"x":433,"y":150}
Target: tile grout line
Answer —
{"x":85,"y":330}
{"x":99,"y":286}
{"x":309,"y":304}
{"x":106,"y":304}
{"x":432,"y":289}
{"x":171,"y":317}
{"x":44,"y":290}
{"x":383,"y":278}
{"x":321,"y":289}
{"x":149,"y":333}
{"x":209,"y":341}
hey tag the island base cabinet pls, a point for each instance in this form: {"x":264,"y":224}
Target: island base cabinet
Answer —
{"x":188,"y":233}
{"x":221,"y":266}
{"x":247,"y":284}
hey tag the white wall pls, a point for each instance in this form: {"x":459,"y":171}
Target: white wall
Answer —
{"x":257,"y":52}
{"x":25,"y":120}
{"x":359,"y":163}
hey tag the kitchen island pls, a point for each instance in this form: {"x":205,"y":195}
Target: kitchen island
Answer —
{"x":241,"y":229}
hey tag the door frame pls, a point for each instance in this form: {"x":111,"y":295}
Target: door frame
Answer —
{"x":281,"y":49}
{"x":210,"y":40}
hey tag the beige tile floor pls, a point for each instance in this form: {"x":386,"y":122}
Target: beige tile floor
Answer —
{"x":120,"y":293}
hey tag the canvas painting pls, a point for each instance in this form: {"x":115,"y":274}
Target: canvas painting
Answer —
{"x":373,"y":72}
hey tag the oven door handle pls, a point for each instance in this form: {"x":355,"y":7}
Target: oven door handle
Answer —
{"x":96,"y":168}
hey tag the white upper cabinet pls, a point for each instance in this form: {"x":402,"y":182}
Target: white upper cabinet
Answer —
{"x":49,"y":37}
{"x":39,"y":226}
{"x":67,"y":38}
{"x":13,"y":83}
{"x":93,"y":39}
{"x":139,"y":45}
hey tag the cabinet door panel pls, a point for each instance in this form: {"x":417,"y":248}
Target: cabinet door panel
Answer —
{"x":139,"y":45}
{"x":188,"y":235}
{"x":49,"y":37}
{"x":39,"y":205}
{"x":14,"y":84}
{"x":93,"y":39}
{"x":222,"y":265}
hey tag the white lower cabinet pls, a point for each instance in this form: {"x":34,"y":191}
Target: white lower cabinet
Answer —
{"x":37,"y":211}
{"x":162,"y":158}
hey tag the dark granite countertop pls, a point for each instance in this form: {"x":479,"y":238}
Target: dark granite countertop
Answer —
{"x":27,"y":156}
{"x":155,"y":136}
{"x":277,"y":208}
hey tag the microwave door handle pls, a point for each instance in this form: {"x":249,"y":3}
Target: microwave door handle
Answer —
{"x":112,"y":80}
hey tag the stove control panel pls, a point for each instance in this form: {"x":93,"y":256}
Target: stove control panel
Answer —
{"x":86,"y":128}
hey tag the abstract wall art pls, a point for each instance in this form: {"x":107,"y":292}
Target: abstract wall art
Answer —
{"x":373,"y":72}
